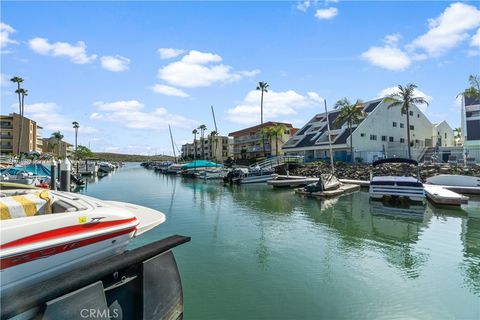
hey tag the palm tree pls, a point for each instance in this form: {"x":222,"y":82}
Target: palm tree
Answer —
{"x":194,"y":132}
{"x":266,"y":132}
{"x":405,"y":98}
{"x":350,"y":113}
{"x":474,"y":90}
{"x":214,"y":140}
{"x":458,"y":135}
{"x":19,"y":80}
{"x":57,"y":136}
{"x":277,"y":131}
{"x":263,"y":86}
{"x":202,"y":129}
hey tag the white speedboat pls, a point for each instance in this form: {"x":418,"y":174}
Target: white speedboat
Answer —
{"x":396,"y":186}
{"x":246,"y":176}
{"x":47,"y":233}
{"x":454,"y":180}
{"x":106,"y":167}
{"x":174,"y":168}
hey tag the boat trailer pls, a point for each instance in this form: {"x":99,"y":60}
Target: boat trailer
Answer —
{"x":143,"y":283}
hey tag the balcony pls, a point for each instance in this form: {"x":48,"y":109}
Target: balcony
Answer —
{"x":6,"y":136}
{"x":250,"y":138}
{"x":6,"y":126}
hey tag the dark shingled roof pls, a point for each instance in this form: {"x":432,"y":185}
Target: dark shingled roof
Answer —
{"x":371,"y":106}
{"x":343,"y":137}
{"x":301,"y":132}
{"x":306,"y":141}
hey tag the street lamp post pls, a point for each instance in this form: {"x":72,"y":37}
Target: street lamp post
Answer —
{"x":76,"y":125}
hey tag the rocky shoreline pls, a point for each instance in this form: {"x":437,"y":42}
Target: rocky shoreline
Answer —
{"x":358,"y":171}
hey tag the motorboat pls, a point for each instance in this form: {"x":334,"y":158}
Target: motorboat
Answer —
{"x":174,"y":168}
{"x":32,"y":175}
{"x":247,"y":176}
{"x":212,"y":174}
{"x":454,"y":180}
{"x":192,"y":169}
{"x":396,"y":187}
{"x":46,"y":233}
{"x":106,"y":167}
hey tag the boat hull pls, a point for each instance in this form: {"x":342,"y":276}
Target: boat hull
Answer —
{"x":257,"y":179}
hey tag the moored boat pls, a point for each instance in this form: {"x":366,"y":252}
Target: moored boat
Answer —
{"x":454,"y":180}
{"x":47,"y":233}
{"x":396,"y":187}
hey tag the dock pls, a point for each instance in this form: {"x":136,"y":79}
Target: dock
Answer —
{"x":291,"y":181}
{"x":444,"y":196}
{"x":343,"y":189}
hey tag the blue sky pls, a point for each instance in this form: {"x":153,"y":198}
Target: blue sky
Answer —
{"x":125,"y":70}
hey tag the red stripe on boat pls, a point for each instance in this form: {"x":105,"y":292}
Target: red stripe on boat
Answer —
{"x":65,"y":232}
{"x":51,"y":251}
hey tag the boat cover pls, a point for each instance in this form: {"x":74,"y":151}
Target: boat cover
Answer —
{"x":394,"y":160}
{"x":201,"y":163}
{"x":35,"y":169}
{"x":25,"y":205}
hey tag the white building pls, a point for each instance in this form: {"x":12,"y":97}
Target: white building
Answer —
{"x":471,"y":126}
{"x":381,"y":133}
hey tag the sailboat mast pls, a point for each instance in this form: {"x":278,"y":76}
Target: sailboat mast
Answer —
{"x":173,"y":145}
{"x":329,"y":137}
{"x":214,"y":121}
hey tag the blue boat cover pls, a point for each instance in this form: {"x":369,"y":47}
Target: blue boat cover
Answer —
{"x":201,"y":163}
{"x":35,"y":169}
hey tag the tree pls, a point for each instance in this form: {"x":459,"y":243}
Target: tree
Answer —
{"x":214,"y":141}
{"x":83,"y":152}
{"x":263,"y":86}
{"x":277,"y":131}
{"x":266,"y":132}
{"x":202,"y":129}
{"x":195,"y":132}
{"x":458,"y":135}
{"x":56,"y":136}
{"x":19,"y":80}
{"x":405,"y":98}
{"x":350,"y":113}
{"x":474,"y":90}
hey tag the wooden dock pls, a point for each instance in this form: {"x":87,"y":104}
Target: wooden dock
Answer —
{"x":444,"y":196}
{"x":343,"y":189}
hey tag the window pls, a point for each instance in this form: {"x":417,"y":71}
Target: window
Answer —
{"x":390,"y":139}
{"x":402,"y":140}
{"x":373,"y":137}
{"x":384,"y":138}
{"x":445,"y":135}
{"x":362,"y":134}
{"x":412,"y":127}
{"x":411,"y":113}
{"x":394,"y":124}
{"x":401,"y":125}
{"x":418,"y":115}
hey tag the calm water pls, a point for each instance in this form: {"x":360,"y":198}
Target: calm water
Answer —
{"x":258,"y":253}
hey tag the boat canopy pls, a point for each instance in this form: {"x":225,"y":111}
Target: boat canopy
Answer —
{"x":395,"y":160}
{"x":35,"y":169}
{"x":201,"y":163}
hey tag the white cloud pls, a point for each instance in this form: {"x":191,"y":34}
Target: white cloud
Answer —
{"x":168,"y":91}
{"x":200,"y":69}
{"x":417,"y":93}
{"x":475,"y":41}
{"x":304,"y":5}
{"x":5,"y":33}
{"x":76,"y":53}
{"x":4,"y":80}
{"x":168,"y":53}
{"x":325,"y":14}
{"x":115,"y":63}
{"x":448,"y":30}
{"x":276,"y":104}
{"x":388,"y":57}
{"x":130,"y":114}
{"x":49,"y":115}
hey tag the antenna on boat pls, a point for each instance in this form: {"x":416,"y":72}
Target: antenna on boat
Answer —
{"x":329,"y":137}
{"x":173,"y":145}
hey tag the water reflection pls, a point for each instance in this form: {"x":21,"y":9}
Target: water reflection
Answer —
{"x":471,"y":254}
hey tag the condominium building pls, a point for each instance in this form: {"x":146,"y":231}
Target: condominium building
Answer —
{"x":380,"y":133}
{"x":471,"y":126}
{"x":61,"y":149}
{"x":30,"y":141}
{"x":250,"y":143}
{"x":215,"y":148}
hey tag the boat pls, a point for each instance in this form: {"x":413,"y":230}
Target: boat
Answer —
{"x":454,"y":180}
{"x":174,"y":168}
{"x":192,"y":169}
{"x":31,"y":174}
{"x":47,"y":233}
{"x":212,"y":174}
{"x":246,"y":176}
{"x":396,"y":187}
{"x":106,"y":167}
{"x":326,"y":182}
